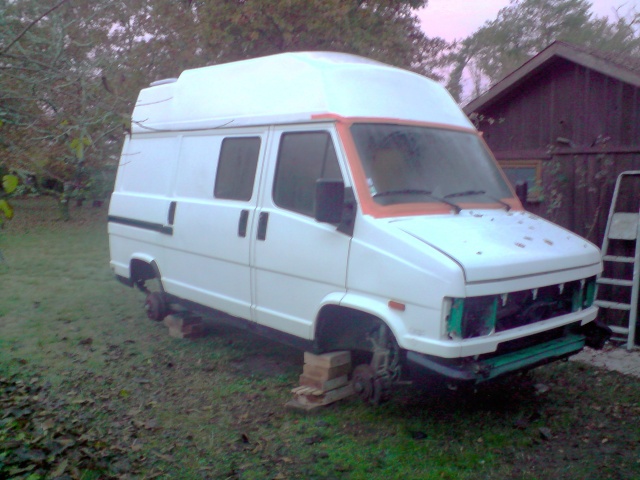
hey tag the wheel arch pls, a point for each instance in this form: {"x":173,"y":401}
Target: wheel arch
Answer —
{"x":339,"y":327}
{"x":143,"y":268}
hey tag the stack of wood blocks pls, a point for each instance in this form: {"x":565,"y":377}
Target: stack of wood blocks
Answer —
{"x":324,"y":380}
{"x":184,"y":326}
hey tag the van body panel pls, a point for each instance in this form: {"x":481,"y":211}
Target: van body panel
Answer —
{"x":415,"y":321}
{"x":147,"y":212}
{"x":315,"y":83}
{"x":125,"y":246}
{"x":290,"y":283}
{"x":512,"y":284}
{"x":431,"y":258}
{"x":127,"y":243}
{"x":148,"y":164}
{"x":447,"y":348}
{"x":386,"y":261}
{"x":210,"y":260}
{"x":493,"y":245}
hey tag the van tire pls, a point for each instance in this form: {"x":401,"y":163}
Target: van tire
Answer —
{"x":156,"y":306}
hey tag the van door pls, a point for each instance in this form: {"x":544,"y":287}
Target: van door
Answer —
{"x":214,"y":207}
{"x":298,"y":263}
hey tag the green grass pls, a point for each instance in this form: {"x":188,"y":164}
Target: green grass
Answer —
{"x":77,"y":350}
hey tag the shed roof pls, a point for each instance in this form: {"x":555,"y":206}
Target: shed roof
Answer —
{"x":615,"y":65}
{"x":293,"y":87}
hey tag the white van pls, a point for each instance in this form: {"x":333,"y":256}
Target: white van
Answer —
{"x":339,"y":203}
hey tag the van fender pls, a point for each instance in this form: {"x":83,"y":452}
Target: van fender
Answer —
{"x":377,"y":307}
{"x":143,"y":267}
{"x":369,"y":326}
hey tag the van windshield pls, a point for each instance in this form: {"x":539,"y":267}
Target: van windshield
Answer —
{"x":408,"y":164}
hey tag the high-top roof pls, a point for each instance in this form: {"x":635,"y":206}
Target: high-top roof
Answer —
{"x":292,"y":87}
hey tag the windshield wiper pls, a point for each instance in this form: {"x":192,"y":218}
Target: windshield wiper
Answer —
{"x":413,"y":191}
{"x":478,"y":192}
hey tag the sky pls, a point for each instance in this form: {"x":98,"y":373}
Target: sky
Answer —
{"x":457,"y":19}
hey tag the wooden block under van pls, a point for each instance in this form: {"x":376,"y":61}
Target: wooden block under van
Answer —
{"x":307,"y":398}
{"x":181,"y":321}
{"x":323,"y":386}
{"x":325,"y":379}
{"x":184,"y":326}
{"x":323,"y":374}
{"x":328,"y":360}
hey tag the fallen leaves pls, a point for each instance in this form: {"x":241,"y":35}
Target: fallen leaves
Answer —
{"x":42,"y":435}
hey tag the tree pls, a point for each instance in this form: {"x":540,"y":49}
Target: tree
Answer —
{"x":168,"y":36}
{"x":55,"y":120}
{"x":526,"y":27}
{"x":70,"y":69}
{"x":386,"y":30}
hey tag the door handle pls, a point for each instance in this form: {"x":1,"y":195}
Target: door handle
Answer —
{"x":242,"y":223}
{"x":262,"y":225}
{"x":172,"y":213}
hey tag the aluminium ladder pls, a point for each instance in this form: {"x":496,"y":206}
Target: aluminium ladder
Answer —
{"x":622,"y":231}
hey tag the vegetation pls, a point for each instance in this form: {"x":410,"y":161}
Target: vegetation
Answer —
{"x":70,"y":70}
{"x":89,"y":388}
{"x":526,"y":27}
{"x":8,"y":184}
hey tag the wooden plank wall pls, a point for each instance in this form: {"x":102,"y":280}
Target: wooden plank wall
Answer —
{"x":585,"y":128}
{"x":584,"y":185}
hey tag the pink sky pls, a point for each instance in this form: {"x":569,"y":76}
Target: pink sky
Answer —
{"x":457,"y":19}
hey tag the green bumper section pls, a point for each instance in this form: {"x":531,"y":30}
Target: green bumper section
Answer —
{"x":529,"y":357}
{"x":485,"y":369}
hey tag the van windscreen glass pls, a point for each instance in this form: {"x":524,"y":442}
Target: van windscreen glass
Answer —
{"x":409,"y":164}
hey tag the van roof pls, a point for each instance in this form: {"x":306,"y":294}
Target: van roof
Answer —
{"x":292,"y":87}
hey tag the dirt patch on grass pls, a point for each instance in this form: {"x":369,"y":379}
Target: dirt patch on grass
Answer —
{"x":612,"y":357}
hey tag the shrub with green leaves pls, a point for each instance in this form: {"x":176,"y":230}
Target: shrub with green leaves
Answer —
{"x":9,"y":184}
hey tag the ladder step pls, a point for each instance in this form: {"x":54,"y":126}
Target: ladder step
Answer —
{"x":616,"y":329}
{"x":616,"y":258}
{"x":613,"y":305}
{"x":615,"y":281}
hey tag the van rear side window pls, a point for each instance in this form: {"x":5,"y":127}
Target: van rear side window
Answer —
{"x":237,"y":168}
{"x":303,"y":158}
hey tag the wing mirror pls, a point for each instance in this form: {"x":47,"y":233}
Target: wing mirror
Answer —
{"x":329,"y":200}
{"x":522,"y":191}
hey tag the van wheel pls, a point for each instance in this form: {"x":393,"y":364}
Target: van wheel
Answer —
{"x":156,"y":306}
{"x":366,"y":386}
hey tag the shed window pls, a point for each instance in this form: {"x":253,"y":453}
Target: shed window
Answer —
{"x":237,"y":168}
{"x":303,"y":158}
{"x":527,"y":171}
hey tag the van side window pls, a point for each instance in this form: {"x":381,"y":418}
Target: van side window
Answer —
{"x":303,"y":158}
{"x":237,"y":168}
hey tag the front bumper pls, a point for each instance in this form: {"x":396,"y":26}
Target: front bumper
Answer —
{"x":481,"y":368}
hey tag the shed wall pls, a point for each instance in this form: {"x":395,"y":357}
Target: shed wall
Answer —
{"x":583,"y":127}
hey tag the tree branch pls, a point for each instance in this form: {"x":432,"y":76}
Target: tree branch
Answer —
{"x":28,"y":27}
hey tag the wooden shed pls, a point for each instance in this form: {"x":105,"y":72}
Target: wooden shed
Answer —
{"x":567,"y":122}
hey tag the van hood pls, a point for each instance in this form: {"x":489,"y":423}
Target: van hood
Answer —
{"x":493,"y":245}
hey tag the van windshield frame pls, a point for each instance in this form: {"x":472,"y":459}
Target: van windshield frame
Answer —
{"x":409,"y":164}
